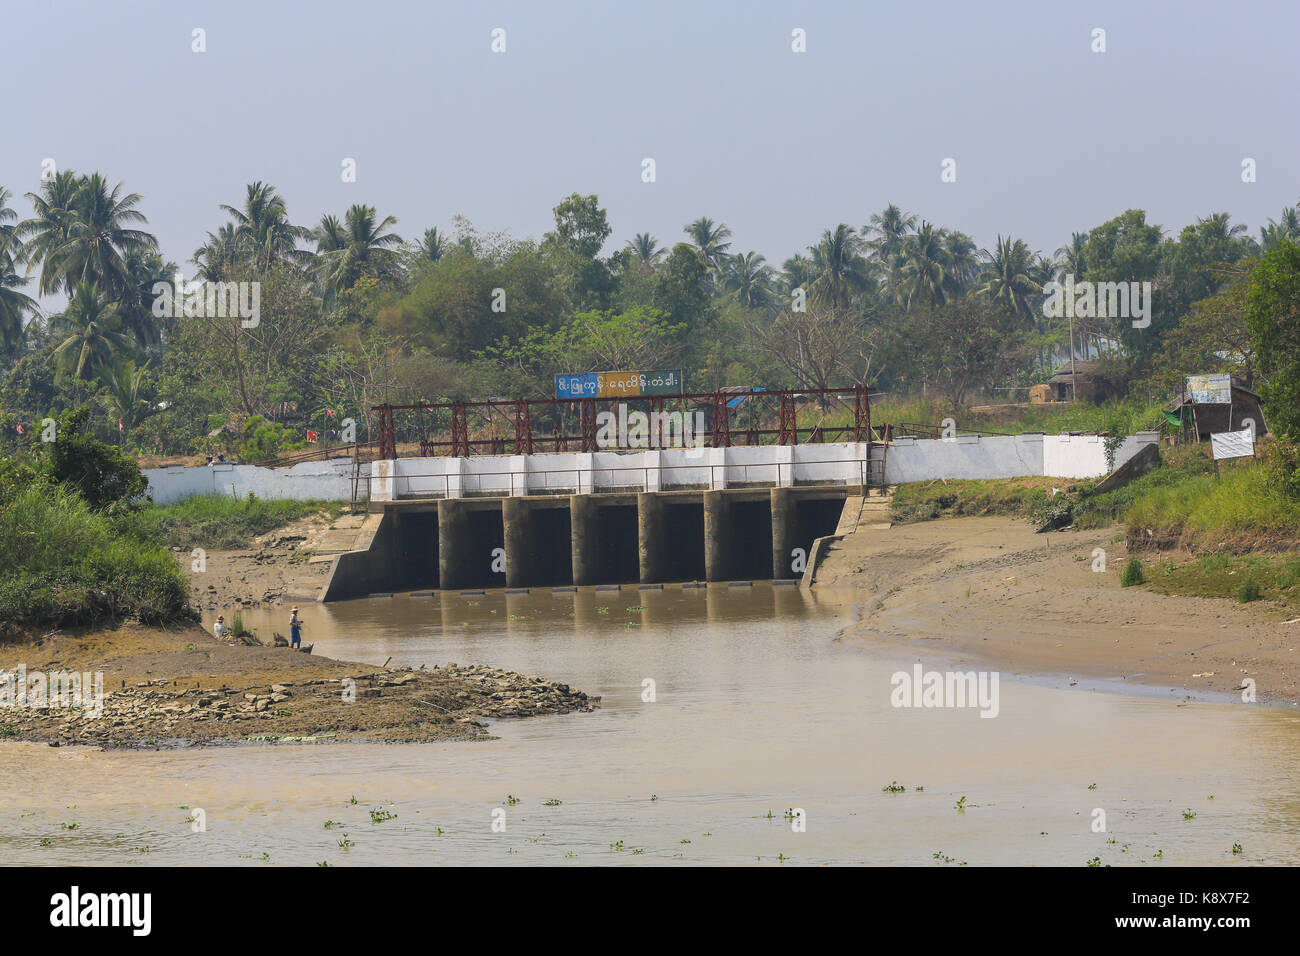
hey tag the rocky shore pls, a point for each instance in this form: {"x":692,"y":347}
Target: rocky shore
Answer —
{"x":183,"y":688}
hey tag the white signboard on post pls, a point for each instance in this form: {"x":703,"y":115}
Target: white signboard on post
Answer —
{"x":1233,"y":444}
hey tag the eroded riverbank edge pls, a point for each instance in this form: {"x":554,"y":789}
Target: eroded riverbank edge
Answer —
{"x":991,"y":591}
{"x":177,"y":688}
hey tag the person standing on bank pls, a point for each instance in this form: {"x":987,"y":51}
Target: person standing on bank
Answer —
{"x":295,"y":629}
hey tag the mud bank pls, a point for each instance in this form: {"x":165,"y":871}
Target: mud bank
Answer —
{"x":990,"y":591}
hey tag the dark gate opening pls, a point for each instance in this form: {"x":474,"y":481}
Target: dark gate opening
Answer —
{"x":617,"y":550}
{"x":552,"y":557}
{"x":751,"y":540}
{"x":417,"y":551}
{"x":684,"y":542}
{"x":816,"y":518}
{"x":485,"y":565}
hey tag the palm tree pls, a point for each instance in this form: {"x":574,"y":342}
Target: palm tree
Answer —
{"x":94,"y":339}
{"x":839,"y":266}
{"x":1070,"y":256}
{"x":797,"y":272}
{"x":124,"y":383}
{"x":433,"y":245}
{"x":646,"y":250}
{"x":47,"y":230}
{"x":1008,"y":275}
{"x":963,"y":260}
{"x":710,"y":240}
{"x":144,"y":270}
{"x":1218,"y":225}
{"x":887,"y":231}
{"x":924,"y":271}
{"x":216,"y":258}
{"x":98,"y":236}
{"x":747,"y":278}
{"x":14,"y":305}
{"x":262,"y":227}
{"x":355,"y":247}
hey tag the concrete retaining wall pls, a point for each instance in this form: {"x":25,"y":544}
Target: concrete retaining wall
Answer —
{"x":330,"y":480}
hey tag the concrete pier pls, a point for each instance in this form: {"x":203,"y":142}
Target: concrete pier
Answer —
{"x":453,"y":543}
{"x":784,"y":528}
{"x":584,"y":538}
{"x":650,"y":536}
{"x":717,"y":534}
{"x":517,"y":517}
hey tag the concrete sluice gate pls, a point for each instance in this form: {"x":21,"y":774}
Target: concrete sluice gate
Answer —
{"x":591,"y":539}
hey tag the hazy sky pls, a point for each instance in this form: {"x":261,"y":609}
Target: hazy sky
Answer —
{"x":1049,"y":137}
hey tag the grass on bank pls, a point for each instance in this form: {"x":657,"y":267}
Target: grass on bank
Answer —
{"x":1244,"y":578}
{"x":63,"y":564}
{"x":217,"y":522}
{"x":1241,"y":512}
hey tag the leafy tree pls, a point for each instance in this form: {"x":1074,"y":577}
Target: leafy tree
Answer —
{"x":581,"y":225}
{"x":260,"y":440}
{"x":1273,"y":316}
{"x":104,"y":476}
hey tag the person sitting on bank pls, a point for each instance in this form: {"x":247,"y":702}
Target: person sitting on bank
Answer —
{"x":220,"y":629}
{"x":295,"y":629}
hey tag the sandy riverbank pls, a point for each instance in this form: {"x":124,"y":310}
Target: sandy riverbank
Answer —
{"x":182,"y":687}
{"x":991,"y":592}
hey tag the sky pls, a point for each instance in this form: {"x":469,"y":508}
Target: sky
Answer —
{"x":1048,"y":136}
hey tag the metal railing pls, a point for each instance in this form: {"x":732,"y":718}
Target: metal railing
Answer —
{"x":863,"y":471}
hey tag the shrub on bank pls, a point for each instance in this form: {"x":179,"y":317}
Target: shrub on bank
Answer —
{"x":64,"y":564}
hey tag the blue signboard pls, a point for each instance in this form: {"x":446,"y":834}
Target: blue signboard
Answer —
{"x":580,"y":385}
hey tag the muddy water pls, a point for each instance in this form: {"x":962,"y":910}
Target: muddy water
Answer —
{"x":757,"y":709}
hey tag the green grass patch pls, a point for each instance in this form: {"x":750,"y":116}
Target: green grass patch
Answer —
{"x":216,"y":522}
{"x":1274,"y":578}
{"x":1015,"y":497}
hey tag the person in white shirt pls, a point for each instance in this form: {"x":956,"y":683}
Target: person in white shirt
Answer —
{"x":220,"y":629}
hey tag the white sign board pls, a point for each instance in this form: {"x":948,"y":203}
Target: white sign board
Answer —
{"x":1210,"y":389}
{"x":1233,"y":444}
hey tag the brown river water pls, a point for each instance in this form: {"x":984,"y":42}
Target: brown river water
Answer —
{"x":757,"y":709}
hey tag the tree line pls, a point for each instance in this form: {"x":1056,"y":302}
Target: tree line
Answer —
{"x":352,"y":313}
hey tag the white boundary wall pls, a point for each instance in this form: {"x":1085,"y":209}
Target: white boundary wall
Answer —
{"x":330,"y":480}
{"x":908,"y":459}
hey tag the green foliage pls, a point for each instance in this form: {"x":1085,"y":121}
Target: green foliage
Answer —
{"x":261,"y":440}
{"x":64,"y":564}
{"x":1273,"y":315}
{"x":104,"y":476}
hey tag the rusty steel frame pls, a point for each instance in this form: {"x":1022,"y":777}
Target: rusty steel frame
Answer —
{"x":524,"y":414}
